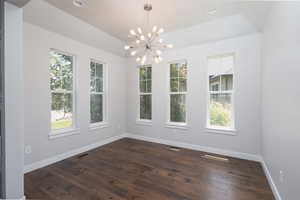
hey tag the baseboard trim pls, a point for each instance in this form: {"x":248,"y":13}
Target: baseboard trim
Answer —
{"x":57,"y":158}
{"x":270,"y":180}
{"x":234,"y":154}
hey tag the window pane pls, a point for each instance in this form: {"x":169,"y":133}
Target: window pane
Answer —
{"x":96,"y":108}
{"x":220,"y":110}
{"x":67,"y":79}
{"x":93,"y":84}
{"x":149,"y":73}
{"x":174,"y":72}
{"x":149,"y":85}
{"x":227,"y":81}
{"x":61,"y":71}
{"x":143,"y":86}
{"x":174,"y":84}
{"x":214,"y":83}
{"x":178,"y":108}
{"x":183,"y":71}
{"x":61,"y":111}
{"x":145,"y":107}
{"x":214,"y":66}
{"x":182,"y":85}
{"x":93,"y":70}
{"x":99,"y":70}
{"x":99,"y":84}
{"x":55,"y":81}
{"x":143,"y":73}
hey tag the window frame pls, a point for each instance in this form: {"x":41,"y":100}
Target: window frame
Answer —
{"x":104,"y":123}
{"x":169,"y":123}
{"x":73,"y":129}
{"x":138,"y":119}
{"x":220,"y":129}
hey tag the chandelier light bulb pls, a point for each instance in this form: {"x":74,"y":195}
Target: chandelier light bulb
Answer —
{"x":149,"y":35}
{"x":132,"y":32}
{"x":144,"y":59}
{"x":156,"y":59}
{"x":138,"y":59}
{"x":170,"y":46}
{"x":139,"y":30}
{"x":137,"y":41}
{"x":158,"y":52}
{"x":160,"y":31}
{"x":154,"y":29}
{"x":127,"y":47}
{"x":142,"y":37}
{"x":133,"y":53}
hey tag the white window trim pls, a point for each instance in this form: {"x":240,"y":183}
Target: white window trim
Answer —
{"x":176,"y":125}
{"x":169,"y":123}
{"x":219,"y":129}
{"x":105,"y":94}
{"x":140,"y":121}
{"x":53,"y":134}
{"x":64,"y":133}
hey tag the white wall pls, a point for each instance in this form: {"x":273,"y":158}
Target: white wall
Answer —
{"x":281,"y":97}
{"x":37,"y":42}
{"x":247,"y":98}
{"x":14,"y":102}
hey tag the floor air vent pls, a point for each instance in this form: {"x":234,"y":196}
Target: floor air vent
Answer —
{"x":172,"y":148}
{"x":83,"y":155}
{"x":215,"y":158}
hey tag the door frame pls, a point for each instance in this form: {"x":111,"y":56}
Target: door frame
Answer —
{"x":2,"y":103}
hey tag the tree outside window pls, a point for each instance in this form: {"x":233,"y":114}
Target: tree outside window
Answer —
{"x":178,"y":90}
{"x":61,"y":85}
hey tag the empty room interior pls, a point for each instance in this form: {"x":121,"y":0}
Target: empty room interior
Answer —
{"x":150,"y":100}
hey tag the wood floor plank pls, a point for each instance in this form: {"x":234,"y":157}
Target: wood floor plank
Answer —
{"x":137,"y":170}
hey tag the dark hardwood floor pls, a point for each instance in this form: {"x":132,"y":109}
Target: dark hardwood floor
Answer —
{"x":137,"y":170}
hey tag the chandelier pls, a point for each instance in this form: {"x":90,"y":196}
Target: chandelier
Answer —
{"x":147,"y":46}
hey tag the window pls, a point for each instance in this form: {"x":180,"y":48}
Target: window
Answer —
{"x":62,"y":90}
{"x":145,"y":92}
{"x":97,"y":93}
{"x":220,"y":104}
{"x":177,"y":92}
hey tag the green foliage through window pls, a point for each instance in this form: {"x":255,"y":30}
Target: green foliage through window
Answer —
{"x":178,"y":89}
{"x":61,"y":85}
{"x":220,"y":114}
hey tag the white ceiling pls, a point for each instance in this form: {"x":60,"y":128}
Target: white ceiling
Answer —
{"x":116,"y":17}
{"x":104,"y":24}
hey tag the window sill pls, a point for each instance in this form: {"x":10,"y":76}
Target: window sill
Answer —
{"x":182,"y":126}
{"x":63,"y":133}
{"x":99,"y":126}
{"x":144,"y":122}
{"x":224,"y":131}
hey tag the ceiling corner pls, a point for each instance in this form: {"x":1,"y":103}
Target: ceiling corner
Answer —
{"x":19,"y":3}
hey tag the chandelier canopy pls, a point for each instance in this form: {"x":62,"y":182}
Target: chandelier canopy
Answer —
{"x":147,"y":46}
